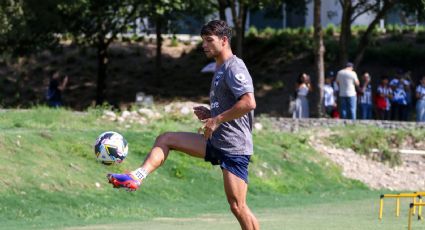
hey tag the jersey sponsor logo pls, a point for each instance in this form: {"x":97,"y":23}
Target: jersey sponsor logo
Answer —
{"x":241,"y":77}
{"x":215,"y":105}
{"x":217,"y":79}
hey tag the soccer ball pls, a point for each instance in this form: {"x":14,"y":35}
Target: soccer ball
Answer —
{"x":110,"y":147}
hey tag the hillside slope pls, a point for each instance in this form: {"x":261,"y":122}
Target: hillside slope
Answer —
{"x":49,"y":177}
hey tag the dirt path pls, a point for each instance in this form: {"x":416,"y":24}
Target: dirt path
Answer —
{"x":409,"y":176}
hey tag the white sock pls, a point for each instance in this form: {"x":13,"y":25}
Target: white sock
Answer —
{"x":140,"y":173}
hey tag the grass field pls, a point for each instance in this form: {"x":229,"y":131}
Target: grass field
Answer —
{"x":358,"y":215}
{"x":49,"y":179}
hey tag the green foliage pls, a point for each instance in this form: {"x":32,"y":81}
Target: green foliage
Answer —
{"x":330,"y":30}
{"x":420,"y":37}
{"x":174,"y":41}
{"x":252,"y":31}
{"x":364,"y":139}
{"x":390,"y":54}
{"x":29,"y":26}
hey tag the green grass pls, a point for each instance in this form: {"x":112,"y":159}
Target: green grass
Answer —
{"x":344,"y":214}
{"x":48,"y":177}
{"x":362,"y":139}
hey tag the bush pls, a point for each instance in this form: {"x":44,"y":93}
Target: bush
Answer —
{"x":358,"y":29}
{"x":420,"y":37}
{"x":330,"y":30}
{"x":174,"y":41}
{"x":268,"y":32}
{"x":363,"y":142}
{"x":252,"y":32}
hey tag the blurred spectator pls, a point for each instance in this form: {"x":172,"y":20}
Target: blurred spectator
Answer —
{"x":347,"y":81}
{"x":329,"y":97}
{"x":334,"y":85}
{"x":365,"y":97}
{"x":399,"y":108}
{"x":420,"y":104}
{"x":382,"y":100}
{"x":410,"y":91}
{"x":54,"y":92}
{"x":301,"y":103}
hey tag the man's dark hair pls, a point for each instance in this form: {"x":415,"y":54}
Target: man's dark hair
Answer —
{"x":218,"y":28}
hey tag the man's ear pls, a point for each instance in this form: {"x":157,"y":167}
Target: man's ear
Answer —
{"x":225,"y":40}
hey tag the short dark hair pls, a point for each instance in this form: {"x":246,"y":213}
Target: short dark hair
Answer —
{"x":218,"y":28}
{"x":349,"y":65}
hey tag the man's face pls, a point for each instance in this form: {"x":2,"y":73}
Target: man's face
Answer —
{"x":212,"y":45}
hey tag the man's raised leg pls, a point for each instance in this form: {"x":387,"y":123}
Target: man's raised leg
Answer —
{"x":236,"y":190}
{"x":192,"y":144}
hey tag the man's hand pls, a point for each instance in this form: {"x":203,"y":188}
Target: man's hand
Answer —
{"x":202,"y":112}
{"x":211,"y":124}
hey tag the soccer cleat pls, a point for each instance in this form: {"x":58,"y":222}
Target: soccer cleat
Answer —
{"x":124,"y":181}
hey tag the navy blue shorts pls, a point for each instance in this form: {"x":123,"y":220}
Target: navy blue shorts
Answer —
{"x":235,"y":164}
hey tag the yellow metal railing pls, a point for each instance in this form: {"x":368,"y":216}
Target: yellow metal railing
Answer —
{"x":411,"y":210}
{"x":414,"y":195}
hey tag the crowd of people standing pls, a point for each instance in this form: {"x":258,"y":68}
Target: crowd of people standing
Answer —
{"x":347,"y":97}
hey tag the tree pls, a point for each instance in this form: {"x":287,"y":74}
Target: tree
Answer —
{"x":164,"y":13}
{"x":222,"y":5}
{"x":416,"y":7}
{"x":11,"y":18}
{"x":29,"y":26}
{"x":97,"y":23}
{"x":379,"y":8}
{"x":319,"y":51}
{"x":350,"y":12}
{"x":240,"y":8}
{"x":365,"y":38}
{"x":159,"y":12}
{"x":239,"y":12}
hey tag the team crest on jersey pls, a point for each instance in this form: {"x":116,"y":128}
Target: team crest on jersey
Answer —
{"x":241,"y":77}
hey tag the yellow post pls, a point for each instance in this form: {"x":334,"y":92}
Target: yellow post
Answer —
{"x":420,"y":208}
{"x":381,"y":206}
{"x":397,"y":207}
{"x":409,"y":224}
{"x":414,"y":207}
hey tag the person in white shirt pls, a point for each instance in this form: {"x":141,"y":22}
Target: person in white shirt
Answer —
{"x":420,"y":103}
{"x":365,"y":97}
{"x":329,"y":97}
{"x":301,"y":103}
{"x":400,"y":100}
{"x":347,"y":81}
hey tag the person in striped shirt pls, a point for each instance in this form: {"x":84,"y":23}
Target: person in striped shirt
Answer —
{"x":365,"y":97}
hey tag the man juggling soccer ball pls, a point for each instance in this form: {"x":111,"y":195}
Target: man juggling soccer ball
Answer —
{"x":226,"y":138}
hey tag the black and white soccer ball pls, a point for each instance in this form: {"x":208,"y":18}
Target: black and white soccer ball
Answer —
{"x":110,"y":148}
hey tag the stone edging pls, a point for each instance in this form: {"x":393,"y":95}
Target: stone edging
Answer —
{"x":293,"y":125}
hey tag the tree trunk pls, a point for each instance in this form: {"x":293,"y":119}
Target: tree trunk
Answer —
{"x":319,"y":51}
{"x":365,"y":39}
{"x":158,"y":59}
{"x":238,"y":21}
{"x":222,"y":4}
{"x":345,"y":35}
{"x":102,"y":63}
